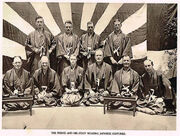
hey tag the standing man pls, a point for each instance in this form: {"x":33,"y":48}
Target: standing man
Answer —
{"x":72,"y":82}
{"x":155,"y":82}
{"x":89,"y":42}
{"x":67,"y":44}
{"x":98,"y":80}
{"x":117,"y":45}
{"x":17,"y":81}
{"x":38,"y":43}
{"x":47,"y":85}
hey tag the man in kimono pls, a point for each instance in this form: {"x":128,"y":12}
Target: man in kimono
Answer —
{"x":72,"y":81}
{"x":117,"y":45}
{"x":38,"y":43}
{"x":98,"y":80}
{"x":125,"y":82}
{"x":46,"y":84}
{"x":16,"y":81}
{"x":89,"y":42}
{"x":67,"y":44}
{"x":156,"y":84}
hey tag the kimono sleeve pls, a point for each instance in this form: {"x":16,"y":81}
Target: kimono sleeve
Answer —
{"x":115,"y":86}
{"x":136,"y":82}
{"x":6,"y":84}
{"x":127,"y":49}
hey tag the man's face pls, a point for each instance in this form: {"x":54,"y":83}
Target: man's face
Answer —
{"x":148,"y":66}
{"x":40,"y":23}
{"x":99,"y":56}
{"x":117,"y":26}
{"x":90,"y":28}
{"x":126,"y":61}
{"x":17,"y":63}
{"x":44,"y":63}
{"x":73,"y":60}
{"x":68,"y":28}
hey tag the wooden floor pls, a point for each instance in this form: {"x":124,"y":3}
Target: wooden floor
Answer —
{"x":85,"y":118}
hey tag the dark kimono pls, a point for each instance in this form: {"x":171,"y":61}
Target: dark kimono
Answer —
{"x":34,"y":41}
{"x":51,"y":81}
{"x":99,"y":79}
{"x":158,"y":82}
{"x":72,"y":79}
{"x":66,"y":45}
{"x":117,"y":46}
{"x":88,"y":44}
{"x":21,"y":82}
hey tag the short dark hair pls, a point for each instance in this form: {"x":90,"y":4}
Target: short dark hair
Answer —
{"x":68,"y":22}
{"x":117,"y":19}
{"x":38,"y":17}
{"x":101,"y":49}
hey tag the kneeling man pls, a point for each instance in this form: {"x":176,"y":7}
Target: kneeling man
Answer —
{"x":98,"y":80}
{"x":126,"y":81}
{"x":16,"y":82}
{"x":47,"y":85}
{"x":72,"y":82}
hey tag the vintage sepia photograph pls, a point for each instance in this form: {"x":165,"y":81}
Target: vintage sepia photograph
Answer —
{"x":89,"y":66}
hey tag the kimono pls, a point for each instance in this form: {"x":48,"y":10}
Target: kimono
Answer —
{"x":158,"y":82}
{"x":21,"y":82}
{"x":88,"y":44}
{"x":126,"y":84}
{"x":72,"y":79}
{"x":117,"y":46}
{"x":66,"y":45}
{"x":47,"y":83}
{"x":98,"y":79}
{"x":133,"y":82}
{"x":43,"y":42}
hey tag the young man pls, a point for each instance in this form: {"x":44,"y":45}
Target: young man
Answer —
{"x":17,"y":81}
{"x":47,"y":85}
{"x":67,"y":44}
{"x":72,"y":82}
{"x":89,"y":42}
{"x":38,"y":43}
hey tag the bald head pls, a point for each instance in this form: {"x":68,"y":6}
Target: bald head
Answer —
{"x":17,"y":62}
{"x":99,"y":55}
{"x":44,"y":62}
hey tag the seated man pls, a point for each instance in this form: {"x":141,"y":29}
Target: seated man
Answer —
{"x":156,"y":88}
{"x":125,"y":82}
{"x":16,"y":82}
{"x":72,"y":81}
{"x":46,"y":84}
{"x":98,"y":80}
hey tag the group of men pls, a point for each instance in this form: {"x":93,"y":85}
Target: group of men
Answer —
{"x":71,"y":84}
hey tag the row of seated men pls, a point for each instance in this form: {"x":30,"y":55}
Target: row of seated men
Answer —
{"x":76,"y":86}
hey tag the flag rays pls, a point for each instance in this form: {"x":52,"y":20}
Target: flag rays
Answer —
{"x":43,"y":10}
{"x":66,"y":12}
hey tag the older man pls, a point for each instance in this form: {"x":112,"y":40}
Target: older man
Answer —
{"x":156,"y":84}
{"x":72,"y":81}
{"x":89,"y":42}
{"x":67,"y":44}
{"x":47,"y":86}
{"x":125,"y":79}
{"x":117,"y":45}
{"x":16,"y":81}
{"x":38,"y":43}
{"x":97,"y":80}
